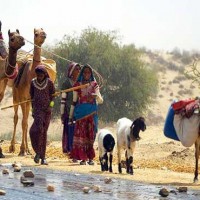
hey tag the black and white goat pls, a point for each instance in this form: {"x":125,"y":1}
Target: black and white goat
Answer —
{"x":127,"y":135}
{"x":106,"y":143}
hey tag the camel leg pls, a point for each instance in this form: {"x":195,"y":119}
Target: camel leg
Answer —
{"x":26,"y":133}
{"x":12,"y":145}
{"x":3,"y":84}
{"x":24,"y":130}
{"x":197,"y":146}
{"x":1,"y":154}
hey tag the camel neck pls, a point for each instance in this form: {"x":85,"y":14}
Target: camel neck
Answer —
{"x":36,"y":56}
{"x":12,"y":59}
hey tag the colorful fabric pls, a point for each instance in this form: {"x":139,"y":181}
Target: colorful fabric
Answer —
{"x":85,"y":113}
{"x":84,"y":139}
{"x":67,"y":136}
{"x":86,"y":109}
{"x":41,"y":95}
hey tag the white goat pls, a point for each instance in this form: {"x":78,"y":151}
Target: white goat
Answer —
{"x":106,"y":143}
{"x":127,"y":134}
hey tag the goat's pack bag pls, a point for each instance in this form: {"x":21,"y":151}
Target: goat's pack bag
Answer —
{"x":187,"y":129}
{"x":169,"y":130}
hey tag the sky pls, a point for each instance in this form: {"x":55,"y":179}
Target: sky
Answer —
{"x":154,"y":24}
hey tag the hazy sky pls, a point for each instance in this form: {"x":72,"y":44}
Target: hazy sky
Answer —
{"x":155,"y":24}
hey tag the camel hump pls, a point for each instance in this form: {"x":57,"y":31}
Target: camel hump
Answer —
{"x":22,"y":58}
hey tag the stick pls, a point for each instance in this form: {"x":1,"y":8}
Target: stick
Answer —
{"x":16,"y":104}
{"x":71,"y":89}
{"x":55,"y":94}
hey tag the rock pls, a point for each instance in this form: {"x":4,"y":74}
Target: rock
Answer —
{"x":164,"y":192}
{"x":164,"y":168}
{"x":50,"y":188}
{"x":5,"y":171}
{"x":27,"y":183}
{"x":173,"y":192}
{"x":17,"y":169}
{"x":28,"y":174}
{"x":97,"y":188}
{"x":17,"y":165}
{"x":2,"y":192}
{"x":182,"y":189}
{"x":86,"y":189}
{"x":107,"y":180}
{"x":22,"y":178}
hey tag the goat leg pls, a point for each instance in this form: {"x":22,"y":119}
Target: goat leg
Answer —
{"x":101,"y":161}
{"x":127,"y":163}
{"x":106,"y":162}
{"x":119,"y":159}
{"x":110,"y":161}
{"x":131,"y":165}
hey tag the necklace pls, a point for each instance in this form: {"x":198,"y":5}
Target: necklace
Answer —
{"x":40,"y":86}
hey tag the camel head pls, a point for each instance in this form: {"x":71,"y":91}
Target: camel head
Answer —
{"x":39,"y":36}
{"x":16,"y":41}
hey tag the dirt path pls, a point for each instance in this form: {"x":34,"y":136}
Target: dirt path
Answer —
{"x":157,"y":160}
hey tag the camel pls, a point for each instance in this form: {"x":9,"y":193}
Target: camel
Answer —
{"x":8,"y":65}
{"x":21,"y":92}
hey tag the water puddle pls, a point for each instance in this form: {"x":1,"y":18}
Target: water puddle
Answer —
{"x":69,"y":186}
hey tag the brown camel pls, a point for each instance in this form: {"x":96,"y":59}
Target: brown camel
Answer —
{"x":21,"y":92}
{"x":8,"y":65}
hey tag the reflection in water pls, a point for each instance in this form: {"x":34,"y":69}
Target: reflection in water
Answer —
{"x":69,"y":186}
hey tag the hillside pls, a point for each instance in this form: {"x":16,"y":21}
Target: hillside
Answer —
{"x":173,"y":84}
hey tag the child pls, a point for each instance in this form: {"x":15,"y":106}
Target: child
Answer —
{"x":41,"y":91}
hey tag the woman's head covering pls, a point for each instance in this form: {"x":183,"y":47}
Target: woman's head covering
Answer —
{"x":71,"y":68}
{"x":80,"y":77}
{"x":41,"y":69}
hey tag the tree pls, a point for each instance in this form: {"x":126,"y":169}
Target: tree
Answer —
{"x":128,"y":88}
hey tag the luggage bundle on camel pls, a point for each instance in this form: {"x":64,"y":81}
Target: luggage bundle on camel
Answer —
{"x":24,"y":57}
{"x":182,"y":121}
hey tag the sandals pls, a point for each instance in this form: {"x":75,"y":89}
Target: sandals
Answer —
{"x":90,"y":162}
{"x":44,"y":162}
{"x":83,"y":162}
{"x":37,"y":158}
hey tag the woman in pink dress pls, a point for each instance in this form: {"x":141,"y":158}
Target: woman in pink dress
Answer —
{"x":84,"y":110}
